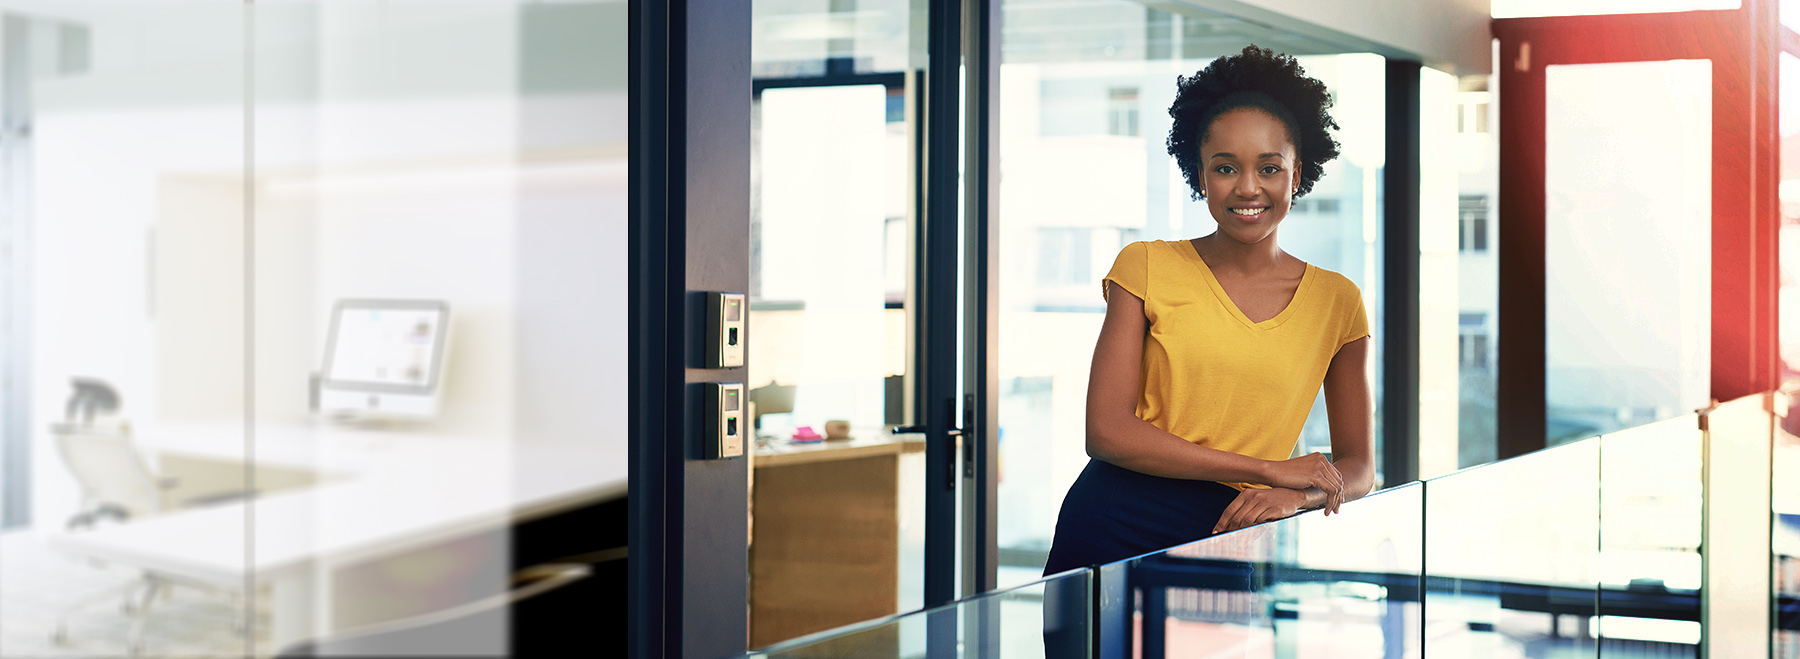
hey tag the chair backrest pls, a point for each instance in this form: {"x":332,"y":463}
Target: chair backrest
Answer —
{"x":109,"y":469}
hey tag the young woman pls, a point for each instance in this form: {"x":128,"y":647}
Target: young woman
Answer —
{"x":1214,"y":348}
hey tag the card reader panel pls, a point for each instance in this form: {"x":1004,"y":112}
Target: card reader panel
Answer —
{"x":726,"y":420}
{"x":726,"y":319}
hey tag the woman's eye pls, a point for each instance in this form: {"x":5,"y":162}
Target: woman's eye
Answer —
{"x":1224,"y":169}
{"x":1271,"y":169}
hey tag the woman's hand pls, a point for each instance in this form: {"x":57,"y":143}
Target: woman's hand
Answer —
{"x":1310,"y":470}
{"x":1254,"y":506}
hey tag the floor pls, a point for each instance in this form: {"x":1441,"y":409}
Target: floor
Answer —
{"x":37,"y":584}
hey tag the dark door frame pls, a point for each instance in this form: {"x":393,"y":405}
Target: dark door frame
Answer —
{"x":689,"y":225}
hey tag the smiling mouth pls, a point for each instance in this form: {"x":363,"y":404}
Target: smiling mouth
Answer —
{"x":1248,"y":212}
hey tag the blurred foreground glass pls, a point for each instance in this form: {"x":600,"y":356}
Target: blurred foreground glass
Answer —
{"x":206,"y":183}
{"x":1342,"y":586}
{"x":1627,"y":266}
{"x":471,"y":156}
{"x":1020,"y":622}
{"x":1511,"y":556}
{"x":98,"y":162}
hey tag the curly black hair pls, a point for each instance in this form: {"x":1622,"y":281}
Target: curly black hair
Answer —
{"x":1262,"y":79}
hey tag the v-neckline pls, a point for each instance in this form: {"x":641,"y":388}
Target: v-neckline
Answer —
{"x":1218,"y":289}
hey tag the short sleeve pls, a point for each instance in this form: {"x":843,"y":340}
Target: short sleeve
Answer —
{"x":1356,"y":322}
{"x":1131,"y":270}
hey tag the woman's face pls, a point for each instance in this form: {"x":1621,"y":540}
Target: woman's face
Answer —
{"x":1248,"y":173}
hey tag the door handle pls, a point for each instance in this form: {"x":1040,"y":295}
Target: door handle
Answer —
{"x":953,"y":432}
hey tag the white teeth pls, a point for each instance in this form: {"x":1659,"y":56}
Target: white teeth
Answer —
{"x":1249,"y":211}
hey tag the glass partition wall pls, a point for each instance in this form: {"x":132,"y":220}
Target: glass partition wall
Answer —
{"x":318,"y":307}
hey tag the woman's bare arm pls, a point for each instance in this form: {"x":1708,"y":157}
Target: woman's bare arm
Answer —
{"x":1350,"y":408}
{"x":1116,"y":435}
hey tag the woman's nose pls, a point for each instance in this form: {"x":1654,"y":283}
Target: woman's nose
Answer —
{"x":1247,"y":185}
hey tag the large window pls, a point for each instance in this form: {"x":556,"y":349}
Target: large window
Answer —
{"x":1085,"y":90}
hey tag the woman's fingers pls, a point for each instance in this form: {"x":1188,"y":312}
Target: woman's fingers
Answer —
{"x":1326,"y":477}
{"x":1225,"y":518}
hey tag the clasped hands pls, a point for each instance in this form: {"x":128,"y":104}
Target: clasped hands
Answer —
{"x":1290,"y":484}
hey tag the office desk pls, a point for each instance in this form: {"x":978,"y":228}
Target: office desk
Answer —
{"x":825,"y":535}
{"x":381,"y":494}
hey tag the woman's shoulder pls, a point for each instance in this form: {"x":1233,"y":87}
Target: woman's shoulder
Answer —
{"x":1158,"y":248}
{"x":1335,"y":283}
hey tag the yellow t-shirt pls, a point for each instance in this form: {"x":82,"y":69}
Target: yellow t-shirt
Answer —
{"x":1216,"y":379}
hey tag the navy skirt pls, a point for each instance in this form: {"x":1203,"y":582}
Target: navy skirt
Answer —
{"x":1113,"y":513}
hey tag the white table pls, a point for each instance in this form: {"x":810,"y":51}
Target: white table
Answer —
{"x":383,"y":493}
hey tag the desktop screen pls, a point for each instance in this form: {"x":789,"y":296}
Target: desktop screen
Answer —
{"x":386,"y":345}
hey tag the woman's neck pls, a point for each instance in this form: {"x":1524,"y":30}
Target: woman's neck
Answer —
{"x":1221,"y":251}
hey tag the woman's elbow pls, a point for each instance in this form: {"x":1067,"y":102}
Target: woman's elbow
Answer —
{"x":1098,"y":446}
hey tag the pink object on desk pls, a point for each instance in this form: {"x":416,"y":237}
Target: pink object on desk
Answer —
{"x":806,"y":434}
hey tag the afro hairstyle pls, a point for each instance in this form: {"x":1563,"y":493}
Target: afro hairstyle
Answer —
{"x":1261,"y":79}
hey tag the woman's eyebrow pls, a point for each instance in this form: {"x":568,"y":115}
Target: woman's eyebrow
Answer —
{"x":1225,"y":154}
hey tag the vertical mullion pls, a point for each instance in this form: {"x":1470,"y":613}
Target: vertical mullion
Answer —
{"x":1400,"y":274}
{"x":981,"y":363}
{"x":937,"y":346}
{"x":652,"y":357}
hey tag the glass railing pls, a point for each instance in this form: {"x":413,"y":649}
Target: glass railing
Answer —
{"x":1048,"y":617}
{"x":1588,"y":549}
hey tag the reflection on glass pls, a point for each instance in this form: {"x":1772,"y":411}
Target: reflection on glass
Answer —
{"x":836,"y":499}
{"x":1474,"y":148}
{"x":1510,"y":556}
{"x":337,"y":281}
{"x":1085,"y":91}
{"x":1627,"y":266}
{"x":1784,"y":501}
{"x":1021,"y":622}
{"x":1650,"y":507}
{"x":1307,"y":586}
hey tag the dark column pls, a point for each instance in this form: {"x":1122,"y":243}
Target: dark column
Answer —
{"x":1519,"y":370}
{"x":1400,"y":278}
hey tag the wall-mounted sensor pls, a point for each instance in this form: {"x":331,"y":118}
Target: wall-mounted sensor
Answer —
{"x":726,"y":420}
{"x":726,"y":319}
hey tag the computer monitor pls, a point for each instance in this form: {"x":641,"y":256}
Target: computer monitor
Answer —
{"x":384,"y":358}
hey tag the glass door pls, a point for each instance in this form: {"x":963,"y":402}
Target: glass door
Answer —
{"x":837,"y":502}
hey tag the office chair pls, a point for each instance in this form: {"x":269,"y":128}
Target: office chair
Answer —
{"x":118,"y":485}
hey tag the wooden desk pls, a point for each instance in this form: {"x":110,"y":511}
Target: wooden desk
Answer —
{"x":825,"y":535}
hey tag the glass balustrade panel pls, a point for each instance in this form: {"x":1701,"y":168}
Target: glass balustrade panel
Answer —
{"x":1511,"y":556}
